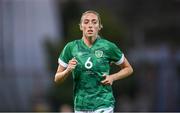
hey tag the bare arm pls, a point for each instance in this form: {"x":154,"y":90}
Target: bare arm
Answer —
{"x":125,"y":71}
{"x":62,"y":72}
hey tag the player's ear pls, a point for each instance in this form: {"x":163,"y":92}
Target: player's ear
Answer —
{"x":80,"y":26}
{"x":100,"y":27}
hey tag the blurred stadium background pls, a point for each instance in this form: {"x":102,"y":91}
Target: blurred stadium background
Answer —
{"x":33,"y":32}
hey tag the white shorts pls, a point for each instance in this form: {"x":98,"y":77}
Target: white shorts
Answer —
{"x":102,"y":110}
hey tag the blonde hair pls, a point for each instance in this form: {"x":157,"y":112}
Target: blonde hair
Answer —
{"x":94,"y":12}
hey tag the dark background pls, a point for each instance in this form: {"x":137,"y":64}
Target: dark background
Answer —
{"x":33,"y":33}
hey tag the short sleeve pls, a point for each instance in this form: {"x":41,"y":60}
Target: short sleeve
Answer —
{"x":116,"y":55}
{"x":65,"y":55}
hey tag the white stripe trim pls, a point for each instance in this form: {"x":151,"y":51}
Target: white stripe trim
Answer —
{"x":105,"y":110}
{"x":62,"y":63}
{"x":120,"y":61}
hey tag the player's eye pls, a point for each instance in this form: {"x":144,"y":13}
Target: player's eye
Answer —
{"x":94,"y":22}
{"x":86,"y":21}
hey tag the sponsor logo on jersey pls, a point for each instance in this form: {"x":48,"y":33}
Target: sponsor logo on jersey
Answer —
{"x":98,"y":53}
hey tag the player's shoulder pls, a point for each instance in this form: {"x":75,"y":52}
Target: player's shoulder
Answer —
{"x":72,"y":43}
{"x":105,"y":41}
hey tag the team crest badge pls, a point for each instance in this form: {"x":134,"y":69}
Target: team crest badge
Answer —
{"x":98,"y":53}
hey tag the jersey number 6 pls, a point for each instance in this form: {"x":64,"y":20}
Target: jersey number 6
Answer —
{"x":88,"y":63}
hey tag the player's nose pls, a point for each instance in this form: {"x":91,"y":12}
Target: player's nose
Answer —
{"x":90,"y":25}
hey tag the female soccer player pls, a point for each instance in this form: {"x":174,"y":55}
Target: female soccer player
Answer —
{"x":89,"y":61}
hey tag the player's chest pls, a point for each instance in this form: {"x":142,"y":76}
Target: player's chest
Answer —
{"x":91,"y":57}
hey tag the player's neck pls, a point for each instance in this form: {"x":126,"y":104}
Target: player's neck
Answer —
{"x":89,"y":40}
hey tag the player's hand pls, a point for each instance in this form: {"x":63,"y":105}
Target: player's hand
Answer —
{"x":72,"y":64}
{"x":107,"y":80}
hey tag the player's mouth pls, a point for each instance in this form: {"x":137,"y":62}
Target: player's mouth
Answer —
{"x":90,"y":31}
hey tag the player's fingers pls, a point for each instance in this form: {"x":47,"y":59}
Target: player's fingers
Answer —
{"x":107,"y":83}
{"x":73,"y":63}
{"x":73,"y":66}
{"x":104,"y":81}
{"x":110,"y":83}
{"x":104,"y":76}
{"x":74,"y":60}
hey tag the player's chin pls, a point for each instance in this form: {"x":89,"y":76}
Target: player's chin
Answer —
{"x":90,"y":35}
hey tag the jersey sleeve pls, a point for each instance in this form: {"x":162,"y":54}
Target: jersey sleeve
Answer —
{"x":116,"y":55}
{"x":65,"y":55}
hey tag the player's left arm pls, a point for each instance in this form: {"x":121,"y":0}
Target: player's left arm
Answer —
{"x":125,"y":70}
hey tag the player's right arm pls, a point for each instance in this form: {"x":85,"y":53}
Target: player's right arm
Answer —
{"x":63,"y":72}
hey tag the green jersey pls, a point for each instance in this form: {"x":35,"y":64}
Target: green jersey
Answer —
{"x":93,"y":63}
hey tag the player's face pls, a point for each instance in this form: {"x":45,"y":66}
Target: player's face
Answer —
{"x":90,"y":25}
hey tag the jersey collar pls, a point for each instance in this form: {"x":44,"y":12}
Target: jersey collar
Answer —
{"x":92,"y":44}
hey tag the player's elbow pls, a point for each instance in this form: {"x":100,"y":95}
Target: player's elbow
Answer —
{"x":130,"y":70}
{"x":56,"y":79}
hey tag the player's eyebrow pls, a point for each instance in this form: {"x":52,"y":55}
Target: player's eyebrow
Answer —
{"x":94,"y":19}
{"x":86,"y":19}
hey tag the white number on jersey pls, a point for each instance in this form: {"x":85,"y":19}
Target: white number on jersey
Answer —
{"x":88,"y":63}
